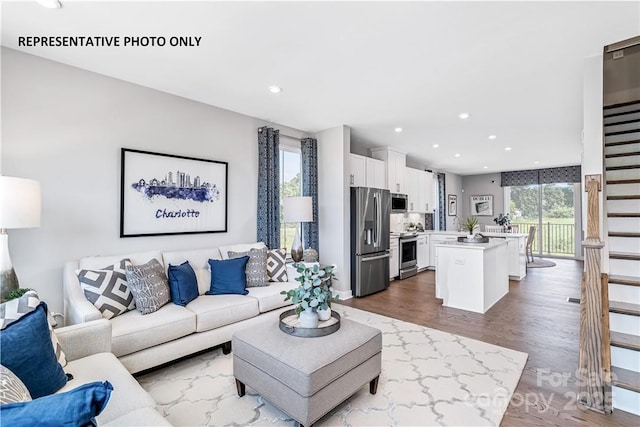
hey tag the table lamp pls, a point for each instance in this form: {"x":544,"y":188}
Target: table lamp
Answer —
{"x":19,"y":208}
{"x":297,"y":209}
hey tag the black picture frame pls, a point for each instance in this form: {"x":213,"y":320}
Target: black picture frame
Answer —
{"x":452,"y":204}
{"x":155,"y":202}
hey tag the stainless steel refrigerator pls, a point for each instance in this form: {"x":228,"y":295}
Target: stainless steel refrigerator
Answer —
{"x":370,"y":210}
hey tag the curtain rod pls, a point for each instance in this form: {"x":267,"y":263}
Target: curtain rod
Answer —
{"x":287,"y":136}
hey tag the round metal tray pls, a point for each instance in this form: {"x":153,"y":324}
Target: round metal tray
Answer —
{"x":473,"y":240}
{"x":289,"y":324}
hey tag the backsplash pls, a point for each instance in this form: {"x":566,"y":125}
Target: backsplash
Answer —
{"x":400,"y":222}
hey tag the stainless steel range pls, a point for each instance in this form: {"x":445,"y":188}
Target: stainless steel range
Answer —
{"x":408,"y":255}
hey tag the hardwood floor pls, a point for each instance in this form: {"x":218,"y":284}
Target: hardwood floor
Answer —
{"x":534,"y":317}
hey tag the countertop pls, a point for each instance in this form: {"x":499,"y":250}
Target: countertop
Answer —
{"x":476,"y":246}
{"x":463,"y":233}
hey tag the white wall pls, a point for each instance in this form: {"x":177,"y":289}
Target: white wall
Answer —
{"x":592,"y":140}
{"x":453,"y":185}
{"x":333,"y":201}
{"x":64,"y":127}
{"x":480,"y":185}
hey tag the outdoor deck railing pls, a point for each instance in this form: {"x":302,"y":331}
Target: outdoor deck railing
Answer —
{"x":557,"y":239}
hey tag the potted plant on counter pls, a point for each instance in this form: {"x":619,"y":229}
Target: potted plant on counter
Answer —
{"x":504,"y":221}
{"x":469,"y":225}
{"x":313,"y":296}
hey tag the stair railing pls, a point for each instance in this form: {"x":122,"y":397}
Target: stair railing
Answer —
{"x":595,"y":354}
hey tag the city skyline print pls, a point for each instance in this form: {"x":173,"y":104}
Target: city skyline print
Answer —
{"x":170,"y":194}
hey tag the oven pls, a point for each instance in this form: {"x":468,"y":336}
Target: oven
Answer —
{"x":408,"y":256}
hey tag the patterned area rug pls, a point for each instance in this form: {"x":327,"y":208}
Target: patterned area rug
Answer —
{"x":540,"y":263}
{"x":429,"y":377}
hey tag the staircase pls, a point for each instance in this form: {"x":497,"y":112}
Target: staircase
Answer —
{"x":622,"y":190}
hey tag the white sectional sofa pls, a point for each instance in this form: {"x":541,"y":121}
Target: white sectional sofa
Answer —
{"x":144,"y":341}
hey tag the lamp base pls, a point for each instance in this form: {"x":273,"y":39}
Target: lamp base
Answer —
{"x":8,"y":278}
{"x":296,"y":247}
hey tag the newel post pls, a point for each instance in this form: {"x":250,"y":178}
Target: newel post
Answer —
{"x":595,"y":361}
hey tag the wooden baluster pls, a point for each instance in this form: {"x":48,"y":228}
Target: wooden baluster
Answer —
{"x":595,"y":363}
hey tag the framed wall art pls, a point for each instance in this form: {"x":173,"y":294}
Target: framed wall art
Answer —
{"x":165,"y":194}
{"x":482,"y":205}
{"x":452,"y":204}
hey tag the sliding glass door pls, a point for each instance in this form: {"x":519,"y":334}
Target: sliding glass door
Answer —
{"x":551,"y":209}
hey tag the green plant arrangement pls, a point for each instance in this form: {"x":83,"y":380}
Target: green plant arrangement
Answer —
{"x":17,"y":293}
{"x":470,"y":224}
{"x":315,"y":288}
{"x":502,"y":220}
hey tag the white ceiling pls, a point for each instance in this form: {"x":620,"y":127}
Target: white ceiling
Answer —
{"x":516,"y":67}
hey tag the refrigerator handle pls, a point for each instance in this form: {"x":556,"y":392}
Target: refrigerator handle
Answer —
{"x":379,"y":218}
{"x":375,"y":215}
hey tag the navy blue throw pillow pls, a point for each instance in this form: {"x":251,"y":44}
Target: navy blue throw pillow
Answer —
{"x":26,"y":350}
{"x":183,"y":283}
{"x":77,"y":407}
{"x":228,"y":276}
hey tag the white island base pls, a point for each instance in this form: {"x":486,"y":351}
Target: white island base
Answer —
{"x":472,"y":276}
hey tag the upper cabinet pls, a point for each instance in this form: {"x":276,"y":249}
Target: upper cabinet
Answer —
{"x":366,"y":172}
{"x":395,"y":163}
{"x":419,"y":185}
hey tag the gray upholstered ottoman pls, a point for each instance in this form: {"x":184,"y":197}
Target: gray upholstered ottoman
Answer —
{"x":307,"y":377}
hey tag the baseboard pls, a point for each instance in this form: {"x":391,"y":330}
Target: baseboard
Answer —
{"x":344,"y":295}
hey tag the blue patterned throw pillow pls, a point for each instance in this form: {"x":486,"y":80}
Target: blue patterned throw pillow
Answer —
{"x":228,"y":276}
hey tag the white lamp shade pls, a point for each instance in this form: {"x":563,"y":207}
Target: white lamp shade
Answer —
{"x":298,"y":209}
{"x":19,"y":202}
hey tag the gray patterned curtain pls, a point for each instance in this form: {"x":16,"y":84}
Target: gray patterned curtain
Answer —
{"x":569,"y":174}
{"x":442,"y":203}
{"x":269,"y":187}
{"x":309,"y":149}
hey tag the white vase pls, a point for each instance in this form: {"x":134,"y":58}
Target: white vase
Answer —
{"x":469,"y":236}
{"x":308,"y":318}
{"x":324,"y":314}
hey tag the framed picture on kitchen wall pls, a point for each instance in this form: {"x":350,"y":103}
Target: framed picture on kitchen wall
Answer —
{"x":482,"y":205}
{"x":452,"y":204}
{"x":164,"y":194}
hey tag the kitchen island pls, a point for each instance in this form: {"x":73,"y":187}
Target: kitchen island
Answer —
{"x":472,"y":276}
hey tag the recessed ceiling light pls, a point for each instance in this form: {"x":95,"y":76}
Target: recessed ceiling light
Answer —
{"x":50,"y":4}
{"x":485,"y":167}
{"x":456,"y":155}
{"x":492,"y":137}
{"x":536,"y":162}
{"x":275,"y":89}
{"x":463,"y":115}
{"x":398,"y":130}
{"x":507,"y":148}
{"x":436,"y":145}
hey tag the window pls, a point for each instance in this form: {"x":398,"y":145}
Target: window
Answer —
{"x":290,"y":186}
{"x":551,"y":208}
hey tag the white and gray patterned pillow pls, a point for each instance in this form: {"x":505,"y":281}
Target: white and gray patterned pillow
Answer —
{"x":276,"y":265}
{"x":107,"y":289}
{"x":149,"y":286}
{"x":12,"y":390}
{"x":256,"y":269}
{"x":12,"y":310}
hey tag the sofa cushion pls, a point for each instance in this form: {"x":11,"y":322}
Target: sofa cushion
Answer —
{"x":198,"y":259}
{"x":127,"y":394}
{"x":149,"y":285}
{"x":256,"y":270}
{"x":183,"y":283}
{"x":11,"y":388}
{"x":276,"y":265}
{"x":133,"y":331}
{"x":77,"y":407}
{"x":97,"y":262}
{"x":106,"y":288}
{"x":269,"y":297}
{"x":228,"y":276}
{"x":140,"y":417}
{"x":241,"y":247}
{"x":12,"y":310}
{"x":26,"y":350}
{"x":213,"y":311}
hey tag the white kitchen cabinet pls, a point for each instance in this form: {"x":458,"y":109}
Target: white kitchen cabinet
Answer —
{"x":423,"y":251}
{"x":516,"y":252}
{"x":394,"y":258}
{"x":376,"y":173}
{"x":412,"y":189}
{"x":419,"y":185}
{"x":358,"y":172}
{"x":395,"y":162}
{"x":426,"y":191}
{"x":435,"y":239}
